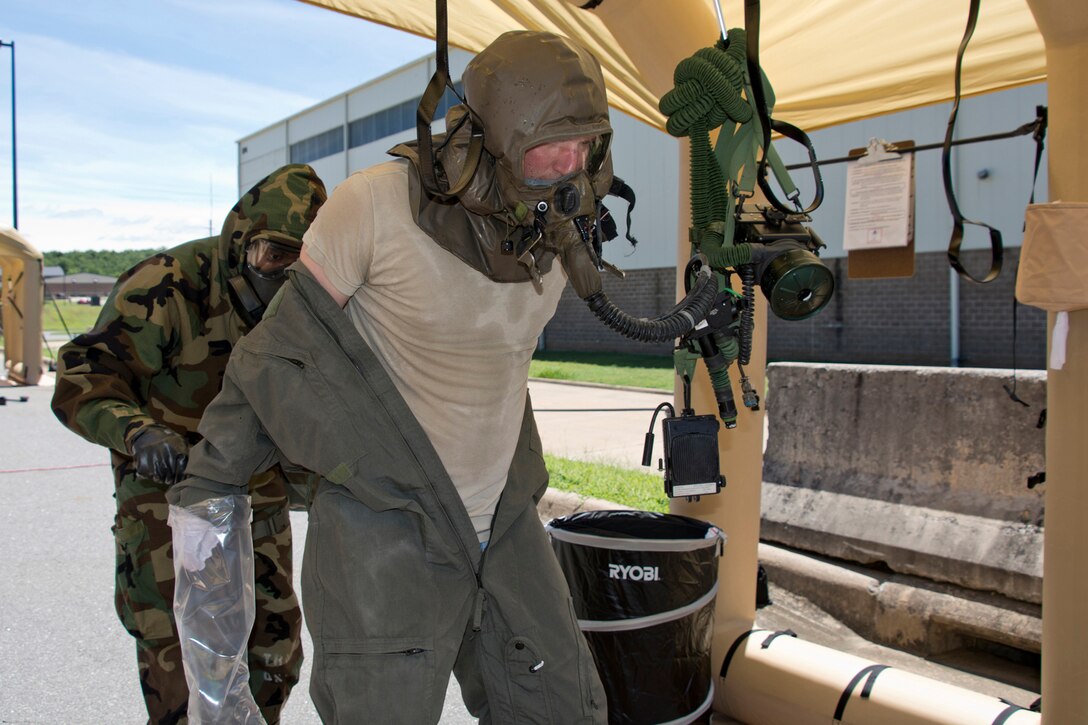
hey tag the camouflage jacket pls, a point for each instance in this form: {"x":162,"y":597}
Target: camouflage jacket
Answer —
{"x":159,"y":348}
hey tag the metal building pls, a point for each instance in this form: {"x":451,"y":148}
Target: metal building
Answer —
{"x":930,"y":318}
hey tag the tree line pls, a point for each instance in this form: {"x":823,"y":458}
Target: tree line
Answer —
{"x":106,"y":263}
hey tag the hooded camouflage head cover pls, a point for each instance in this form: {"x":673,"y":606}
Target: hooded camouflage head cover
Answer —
{"x":279,"y":207}
{"x":160,"y":345}
{"x":524,"y":89}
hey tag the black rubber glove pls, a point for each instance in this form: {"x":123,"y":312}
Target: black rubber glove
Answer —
{"x":160,"y":454}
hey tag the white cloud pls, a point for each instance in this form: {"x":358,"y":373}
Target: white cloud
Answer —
{"x":128,"y":118}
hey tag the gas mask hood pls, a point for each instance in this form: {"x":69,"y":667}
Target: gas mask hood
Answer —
{"x":524,"y":90}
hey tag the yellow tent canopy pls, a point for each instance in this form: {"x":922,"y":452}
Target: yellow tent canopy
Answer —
{"x":830,"y":61}
{"x":21,"y":294}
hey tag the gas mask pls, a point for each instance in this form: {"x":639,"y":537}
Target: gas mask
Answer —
{"x":559,"y":216}
{"x":525,"y":90}
{"x":263,"y":273}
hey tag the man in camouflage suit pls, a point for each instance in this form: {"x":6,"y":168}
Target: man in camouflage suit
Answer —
{"x":139,"y":382}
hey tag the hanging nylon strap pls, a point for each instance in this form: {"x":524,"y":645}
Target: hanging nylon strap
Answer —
{"x":997,"y":249}
{"x":436,"y":87}
{"x":1039,"y":134}
{"x":767,"y":124}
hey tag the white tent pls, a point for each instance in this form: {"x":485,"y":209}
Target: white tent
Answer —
{"x":21,"y":298}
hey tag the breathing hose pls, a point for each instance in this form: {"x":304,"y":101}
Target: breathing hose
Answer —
{"x":675,"y":323}
{"x":747,"y":313}
{"x":709,"y":93}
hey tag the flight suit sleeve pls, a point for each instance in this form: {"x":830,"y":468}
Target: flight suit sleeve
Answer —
{"x":103,"y":375}
{"x":234,"y":448}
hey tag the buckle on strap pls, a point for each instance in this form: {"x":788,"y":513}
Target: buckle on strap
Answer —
{"x":274,"y":524}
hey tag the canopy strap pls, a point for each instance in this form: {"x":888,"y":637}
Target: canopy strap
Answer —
{"x":436,"y":87}
{"x":997,"y":249}
{"x":866,"y":674}
{"x":758,"y":90}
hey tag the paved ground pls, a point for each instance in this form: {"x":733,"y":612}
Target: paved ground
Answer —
{"x":599,"y":424}
{"x":65,"y":658}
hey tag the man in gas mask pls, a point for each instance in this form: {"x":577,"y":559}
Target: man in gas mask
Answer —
{"x":138,"y":383}
{"x":396,"y":365}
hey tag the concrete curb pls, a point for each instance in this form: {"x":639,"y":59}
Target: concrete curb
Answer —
{"x":973,"y":552}
{"x":557,"y":503}
{"x":911,"y":614}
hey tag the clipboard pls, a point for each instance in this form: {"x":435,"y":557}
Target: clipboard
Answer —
{"x":890,"y":262}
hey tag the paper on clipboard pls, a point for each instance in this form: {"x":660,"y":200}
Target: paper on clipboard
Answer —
{"x":879,"y":201}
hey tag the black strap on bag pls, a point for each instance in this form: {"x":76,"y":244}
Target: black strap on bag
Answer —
{"x":997,"y":249}
{"x":436,"y":87}
{"x":869,"y":674}
{"x":755,"y":75}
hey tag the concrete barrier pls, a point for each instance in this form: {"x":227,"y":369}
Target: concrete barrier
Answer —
{"x":921,"y":469}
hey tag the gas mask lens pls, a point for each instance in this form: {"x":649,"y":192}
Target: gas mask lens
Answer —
{"x":269,"y":258}
{"x":552,"y":161}
{"x":598,"y":150}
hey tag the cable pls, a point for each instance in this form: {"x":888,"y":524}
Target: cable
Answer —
{"x":648,"y":445}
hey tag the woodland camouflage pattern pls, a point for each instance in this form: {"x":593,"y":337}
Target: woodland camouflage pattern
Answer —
{"x":157,"y":356}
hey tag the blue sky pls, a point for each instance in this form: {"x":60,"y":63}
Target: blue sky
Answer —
{"x":128,"y":110}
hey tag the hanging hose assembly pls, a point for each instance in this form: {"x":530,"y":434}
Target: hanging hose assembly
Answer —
{"x":769,"y":246}
{"x":709,"y":91}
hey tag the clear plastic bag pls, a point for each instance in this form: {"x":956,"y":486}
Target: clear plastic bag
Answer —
{"x":214,"y":607}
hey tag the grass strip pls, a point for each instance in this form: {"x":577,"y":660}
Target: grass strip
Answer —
{"x":637,"y":489}
{"x":639,"y":371}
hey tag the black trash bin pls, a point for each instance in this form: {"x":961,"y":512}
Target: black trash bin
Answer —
{"x":644,"y":586}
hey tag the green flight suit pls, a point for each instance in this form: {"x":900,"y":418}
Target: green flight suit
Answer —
{"x":397,"y":591}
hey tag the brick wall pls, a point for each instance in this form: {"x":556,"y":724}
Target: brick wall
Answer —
{"x":906,"y":321}
{"x":642,"y":293}
{"x":890,"y":321}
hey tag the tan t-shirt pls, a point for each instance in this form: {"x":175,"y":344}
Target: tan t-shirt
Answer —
{"x":456,"y":344}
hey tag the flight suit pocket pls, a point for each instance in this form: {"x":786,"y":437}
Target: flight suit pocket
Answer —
{"x":587,"y":669}
{"x":141,"y":605}
{"x":526,"y":677}
{"x":391,"y":679}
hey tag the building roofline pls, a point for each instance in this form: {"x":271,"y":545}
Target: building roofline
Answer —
{"x":388,"y":74}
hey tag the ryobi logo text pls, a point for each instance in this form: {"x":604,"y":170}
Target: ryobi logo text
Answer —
{"x":634,"y":573}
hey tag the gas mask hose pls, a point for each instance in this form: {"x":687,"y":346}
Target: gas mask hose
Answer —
{"x":679,"y":321}
{"x":747,"y":314}
{"x":722,"y":256}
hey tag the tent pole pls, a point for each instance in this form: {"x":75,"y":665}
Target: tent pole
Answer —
{"x":1064,"y":27}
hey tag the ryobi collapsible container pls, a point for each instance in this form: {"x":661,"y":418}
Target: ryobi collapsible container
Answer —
{"x":643,"y":586}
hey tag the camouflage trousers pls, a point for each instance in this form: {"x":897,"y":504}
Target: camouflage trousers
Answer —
{"x":145,"y":593}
